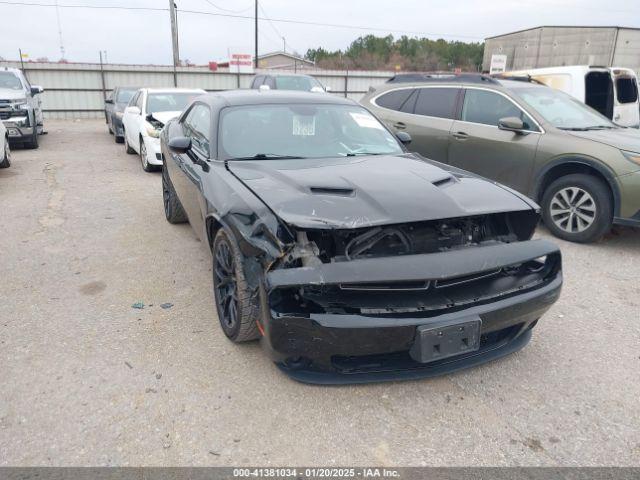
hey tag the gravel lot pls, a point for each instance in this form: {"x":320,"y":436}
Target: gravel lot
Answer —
{"x":85,"y":379}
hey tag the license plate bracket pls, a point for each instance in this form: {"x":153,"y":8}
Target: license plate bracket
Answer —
{"x":446,"y":339}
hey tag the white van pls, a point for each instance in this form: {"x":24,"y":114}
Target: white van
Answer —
{"x":611,"y":91}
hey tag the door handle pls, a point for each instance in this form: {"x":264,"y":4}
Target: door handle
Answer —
{"x":399,"y":125}
{"x":460,"y":135}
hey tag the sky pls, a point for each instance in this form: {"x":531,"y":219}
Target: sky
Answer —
{"x":137,"y":36}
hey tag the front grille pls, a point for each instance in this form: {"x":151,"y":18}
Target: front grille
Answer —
{"x":423,"y":298}
{"x":7,"y":114}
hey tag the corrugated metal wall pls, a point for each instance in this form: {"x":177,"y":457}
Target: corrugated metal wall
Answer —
{"x":560,"y":46}
{"x":76,"y":90}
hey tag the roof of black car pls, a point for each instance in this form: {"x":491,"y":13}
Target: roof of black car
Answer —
{"x":257,"y":97}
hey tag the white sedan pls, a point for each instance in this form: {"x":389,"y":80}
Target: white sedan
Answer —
{"x":148,"y":111}
{"x":5,"y":152}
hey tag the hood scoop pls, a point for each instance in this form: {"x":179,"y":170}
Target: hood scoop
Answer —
{"x":441,"y":182}
{"x":341,"y":192}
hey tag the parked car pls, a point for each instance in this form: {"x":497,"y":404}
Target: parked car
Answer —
{"x":611,"y":91}
{"x":287,"y":81}
{"x":20,"y":107}
{"x":584,"y":169}
{"x":5,"y":151}
{"x":148,"y":110}
{"x":114,"y":107}
{"x":352,"y":259}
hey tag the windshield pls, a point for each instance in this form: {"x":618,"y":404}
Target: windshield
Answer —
{"x":563,"y":111}
{"x":169,"y":102}
{"x":9,"y":80}
{"x":292,"y":82}
{"x":124,"y":95}
{"x":308,"y":131}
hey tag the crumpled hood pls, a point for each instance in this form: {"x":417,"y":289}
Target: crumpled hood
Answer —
{"x":623,"y":138}
{"x":164,"y":117}
{"x":11,"y":94}
{"x":353,"y":192}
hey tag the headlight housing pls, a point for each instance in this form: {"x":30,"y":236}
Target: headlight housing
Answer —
{"x":632,"y":156}
{"x":153,"y":131}
{"x":20,"y":104}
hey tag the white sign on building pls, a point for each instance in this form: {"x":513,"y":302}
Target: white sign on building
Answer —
{"x":240,"y":61}
{"x":498,"y":64}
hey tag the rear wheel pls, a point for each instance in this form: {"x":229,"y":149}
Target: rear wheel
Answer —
{"x":577,"y":208}
{"x":6,"y":156}
{"x":237,"y":308}
{"x":173,"y":211}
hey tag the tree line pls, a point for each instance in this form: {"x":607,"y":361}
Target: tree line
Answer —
{"x":407,"y":54}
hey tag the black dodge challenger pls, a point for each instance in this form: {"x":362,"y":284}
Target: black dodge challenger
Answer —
{"x":350,"y":258}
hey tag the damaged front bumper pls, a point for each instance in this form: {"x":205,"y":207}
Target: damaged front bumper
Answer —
{"x":359,"y":321}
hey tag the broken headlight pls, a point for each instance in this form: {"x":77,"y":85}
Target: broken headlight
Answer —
{"x":153,"y":131}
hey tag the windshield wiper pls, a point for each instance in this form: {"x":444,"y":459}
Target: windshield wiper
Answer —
{"x":354,"y":154}
{"x":268,"y":156}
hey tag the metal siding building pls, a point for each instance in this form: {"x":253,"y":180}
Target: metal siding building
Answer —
{"x":559,"y":46}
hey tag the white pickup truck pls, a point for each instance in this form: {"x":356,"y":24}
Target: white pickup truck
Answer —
{"x":20,"y":107}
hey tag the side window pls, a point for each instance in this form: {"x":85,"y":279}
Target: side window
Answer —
{"x":437,"y":102}
{"x":257,"y":81}
{"x":482,"y":106}
{"x":139,"y":101}
{"x":395,"y":99}
{"x":134,"y":100}
{"x":270,"y":81}
{"x":627,"y":90}
{"x":197,"y":126}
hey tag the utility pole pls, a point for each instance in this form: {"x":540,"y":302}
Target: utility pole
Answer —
{"x":104,"y":87}
{"x":174,"y":33}
{"x":256,"y":39}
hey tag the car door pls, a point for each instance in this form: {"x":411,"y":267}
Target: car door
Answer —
{"x":196,"y":126}
{"x":138,"y":121}
{"x":479,"y":146}
{"x":127,"y":116}
{"x":425,"y":113}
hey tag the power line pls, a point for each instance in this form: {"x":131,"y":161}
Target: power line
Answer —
{"x":228,"y":10}
{"x":333,"y":25}
{"x":249,"y":17}
{"x":104,"y":7}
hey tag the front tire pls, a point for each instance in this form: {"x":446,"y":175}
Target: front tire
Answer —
{"x":6,"y":157}
{"x":578,"y":208}
{"x":173,"y":211}
{"x":33,"y":142}
{"x":146,"y":166}
{"x":237,"y":307}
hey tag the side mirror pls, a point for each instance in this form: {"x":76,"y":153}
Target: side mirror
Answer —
{"x":318,"y":89}
{"x":404,"y":138}
{"x":180,"y":144}
{"x":109,"y":101}
{"x":132,"y":110}
{"x":327,"y":89}
{"x":36,"y":89}
{"x":264,"y":88}
{"x":511,"y":124}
